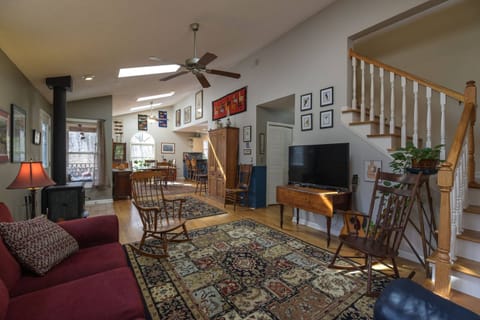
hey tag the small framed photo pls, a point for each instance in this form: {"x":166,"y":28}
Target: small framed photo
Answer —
{"x":247,"y":133}
{"x":371,"y":168}
{"x":326,"y":119}
{"x":247,"y":152}
{"x":306,"y":122}
{"x":168,"y":147}
{"x":187,"y":114}
{"x":326,"y":97}
{"x":306,"y":102}
{"x":199,"y":105}
{"x":36,"y":136}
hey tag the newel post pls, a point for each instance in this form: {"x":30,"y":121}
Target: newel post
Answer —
{"x":442,"y":265}
{"x":471,"y":97}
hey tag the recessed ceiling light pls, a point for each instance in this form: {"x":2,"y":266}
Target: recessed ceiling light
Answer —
{"x":88,"y":77}
{"x":142,"y":71}
{"x":158,"y":96}
{"x":147,"y":106}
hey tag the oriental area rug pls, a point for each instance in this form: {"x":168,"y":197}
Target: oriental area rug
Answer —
{"x":194,"y":208}
{"x":246,"y":270}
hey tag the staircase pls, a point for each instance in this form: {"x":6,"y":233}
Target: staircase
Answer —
{"x":390,"y":107}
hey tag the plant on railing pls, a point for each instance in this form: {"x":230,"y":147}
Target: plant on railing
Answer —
{"x":414,"y":159}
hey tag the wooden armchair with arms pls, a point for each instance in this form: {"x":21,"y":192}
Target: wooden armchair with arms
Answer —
{"x":377,"y":236}
{"x":161,"y":216}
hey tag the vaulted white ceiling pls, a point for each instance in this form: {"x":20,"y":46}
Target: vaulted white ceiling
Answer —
{"x":52,"y":38}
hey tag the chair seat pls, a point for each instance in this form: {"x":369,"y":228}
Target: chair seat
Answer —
{"x":368,"y":246}
{"x":165,"y":225}
{"x":234,"y":190}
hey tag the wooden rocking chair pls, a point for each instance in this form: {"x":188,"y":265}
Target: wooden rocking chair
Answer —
{"x":377,"y":235}
{"x":161,"y":216}
{"x":239,"y":194}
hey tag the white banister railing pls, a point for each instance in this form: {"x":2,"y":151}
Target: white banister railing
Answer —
{"x":382,"y":102}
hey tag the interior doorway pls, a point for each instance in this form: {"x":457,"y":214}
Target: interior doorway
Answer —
{"x":279,"y":138}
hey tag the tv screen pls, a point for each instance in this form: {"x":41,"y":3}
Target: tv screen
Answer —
{"x":321,"y":165}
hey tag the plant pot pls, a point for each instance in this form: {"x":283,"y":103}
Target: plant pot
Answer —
{"x":426,"y":166}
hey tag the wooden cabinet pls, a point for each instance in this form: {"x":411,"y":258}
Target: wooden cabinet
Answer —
{"x":121,"y":184}
{"x":222,"y":161}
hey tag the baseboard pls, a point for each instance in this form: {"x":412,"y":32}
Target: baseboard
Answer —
{"x":99,"y":201}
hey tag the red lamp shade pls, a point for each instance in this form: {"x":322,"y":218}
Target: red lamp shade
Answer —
{"x":30,"y":176}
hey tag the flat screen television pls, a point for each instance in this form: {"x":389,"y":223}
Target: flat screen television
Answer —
{"x":323,"y":165}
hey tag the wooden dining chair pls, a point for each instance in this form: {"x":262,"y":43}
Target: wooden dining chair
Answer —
{"x":239,"y":194}
{"x":161,"y":216}
{"x":377,"y":235}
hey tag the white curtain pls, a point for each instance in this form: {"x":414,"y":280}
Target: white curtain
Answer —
{"x":100,"y":176}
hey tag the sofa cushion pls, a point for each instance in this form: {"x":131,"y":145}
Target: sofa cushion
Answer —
{"x":83,"y":263}
{"x":38,"y":244}
{"x":109,"y":295}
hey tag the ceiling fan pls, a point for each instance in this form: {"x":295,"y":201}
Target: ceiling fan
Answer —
{"x":197,"y":66}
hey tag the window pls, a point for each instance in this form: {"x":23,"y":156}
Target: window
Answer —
{"x":142,"y":147}
{"x":82,"y":147}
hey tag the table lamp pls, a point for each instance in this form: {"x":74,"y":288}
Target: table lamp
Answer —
{"x":31,"y":176}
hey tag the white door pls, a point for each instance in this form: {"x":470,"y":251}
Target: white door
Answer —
{"x":279,"y":138}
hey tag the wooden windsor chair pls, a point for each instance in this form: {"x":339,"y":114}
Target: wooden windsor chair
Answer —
{"x":377,"y":235}
{"x":161,"y":216}
{"x":239,"y":194}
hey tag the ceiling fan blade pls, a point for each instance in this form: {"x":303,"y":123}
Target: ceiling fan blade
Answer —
{"x":174,"y":75}
{"x":223,"y":73}
{"x":206,"y":58}
{"x":203,"y":81}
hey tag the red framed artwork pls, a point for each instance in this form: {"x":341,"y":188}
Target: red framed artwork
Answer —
{"x":230,"y":104}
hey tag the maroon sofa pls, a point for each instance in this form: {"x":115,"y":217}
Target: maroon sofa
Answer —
{"x":93,"y":283}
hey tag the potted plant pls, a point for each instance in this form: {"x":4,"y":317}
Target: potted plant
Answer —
{"x":414,"y":159}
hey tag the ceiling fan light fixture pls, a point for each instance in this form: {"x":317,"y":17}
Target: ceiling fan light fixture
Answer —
{"x":148,"y":106}
{"x":147,"y":70}
{"x":158,"y":96}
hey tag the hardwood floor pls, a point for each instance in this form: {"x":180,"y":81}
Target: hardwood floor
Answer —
{"x":130,"y":230}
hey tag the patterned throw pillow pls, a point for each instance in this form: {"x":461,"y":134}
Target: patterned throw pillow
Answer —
{"x":38,"y":244}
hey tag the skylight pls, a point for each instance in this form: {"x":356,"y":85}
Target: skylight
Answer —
{"x":148,"y":70}
{"x":158,"y":96}
{"x":147,"y":106}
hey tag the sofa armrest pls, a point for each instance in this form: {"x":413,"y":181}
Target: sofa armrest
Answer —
{"x":93,"y":231}
{"x":405,"y":299}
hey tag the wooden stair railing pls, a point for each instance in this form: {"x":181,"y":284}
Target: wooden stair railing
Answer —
{"x":457,"y":173}
{"x":452,"y":181}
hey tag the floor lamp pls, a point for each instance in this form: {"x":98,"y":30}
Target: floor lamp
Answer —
{"x":31,"y":176}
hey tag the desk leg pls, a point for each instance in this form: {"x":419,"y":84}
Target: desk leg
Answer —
{"x":281,"y":216}
{"x":329,"y":224}
{"x":298,"y":210}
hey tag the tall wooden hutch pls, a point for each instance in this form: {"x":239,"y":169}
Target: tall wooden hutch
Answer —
{"x":222,"y":161}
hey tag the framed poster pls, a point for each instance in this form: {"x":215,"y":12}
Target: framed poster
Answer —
{"x":4,"y":136}
{"x":168,"y":147}
{"x":36,"y":137}
{"x":199,"y":105}
{"x":247,"y":133}
{"x":178,"y":118}
{"x":187,"y":114}
{"x":371,"y":168}
{"x":230,"y":104}
{"x":18,"y":134}
{"x":142,"y":122}
{"x":162,"y":119}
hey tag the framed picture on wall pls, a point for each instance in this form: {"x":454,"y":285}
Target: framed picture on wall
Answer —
{"x":187,"y":114}
{"x":199,"y":105}
{"x":247,"y":133}
{"x":18,"y":133}
{"x":371,"y":168}
{"x":178,"y":118}
{"x":306,"y":122}
{"x":306,"y":102}
{"x":4,"y":136}
{"x":326,"y":119}
{"x":326,"y":97}
{"x":168,"y":147}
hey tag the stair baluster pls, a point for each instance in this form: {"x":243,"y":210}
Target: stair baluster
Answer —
{"x":382,"y":103}
{"x":372,"y":100}
{"x":428,"y":143}
{"x":392,"y":103}
{"x":415,"y":113}
{"x":404,"y":112}
{"x":362,"y":98}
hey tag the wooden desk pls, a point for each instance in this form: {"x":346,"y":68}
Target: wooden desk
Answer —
{"x":324,"y":202}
